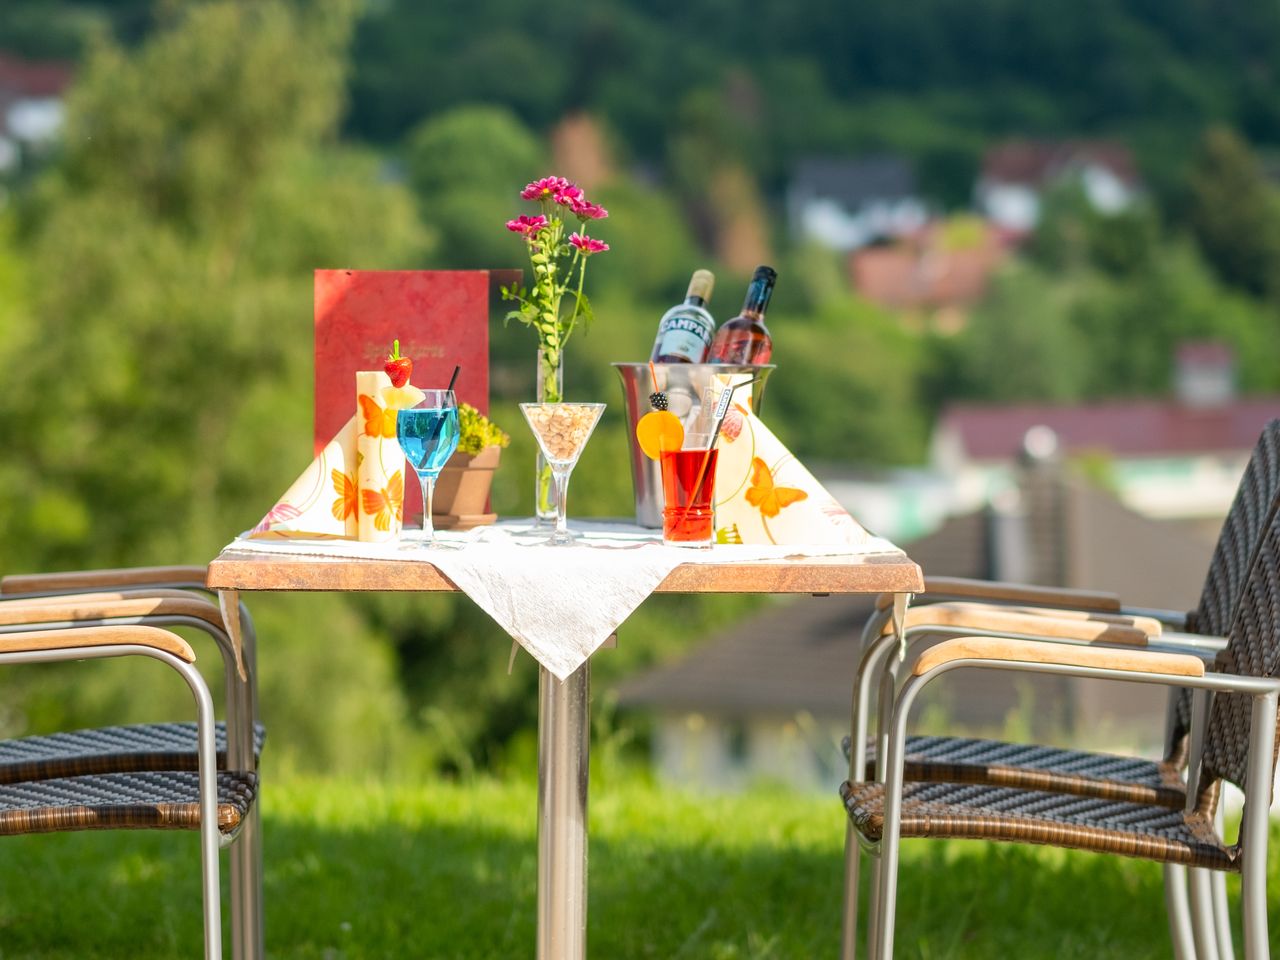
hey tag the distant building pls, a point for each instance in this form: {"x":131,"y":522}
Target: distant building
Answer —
{"x":1015,"y":176}
{"x":847,"y":203}
{"x":930,"y":272}
{"x":1178,"y":458}
{"x":769,"y":699}
{"x":31,"y":110}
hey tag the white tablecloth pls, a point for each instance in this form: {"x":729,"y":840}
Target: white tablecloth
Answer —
{"x":559,"y":603}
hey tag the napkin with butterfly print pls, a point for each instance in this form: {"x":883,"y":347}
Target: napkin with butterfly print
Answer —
{"x":763,"y":493}
{"x":354,"y":488}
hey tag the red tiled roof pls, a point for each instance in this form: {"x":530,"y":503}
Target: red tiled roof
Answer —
{"x":1035,"y":162}
{"x":925,"y":273}
{"x":1142,"y":428}
{"x":34,"y":78}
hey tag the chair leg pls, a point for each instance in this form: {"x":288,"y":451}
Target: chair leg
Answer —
{"x":1179,"y":910}
{"x":873,"y":906}
{"x":207,"y":757}
{"x":1203,"y":927}
{"x":849,"y":919}
{"x":1221,"y":910}
{"x":1256,"y":824}
{"x":246,"y":889}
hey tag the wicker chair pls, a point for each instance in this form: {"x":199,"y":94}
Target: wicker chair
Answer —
{"x":997,"y":763}
{"x":1239,"y":742}
{"x":159,"y":597}
{"x":214,"y":803}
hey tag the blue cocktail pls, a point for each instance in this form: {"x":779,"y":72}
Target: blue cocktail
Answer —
{"x":428,"y":434}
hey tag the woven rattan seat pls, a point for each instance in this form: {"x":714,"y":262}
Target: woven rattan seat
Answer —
{"x":146,"y":746}
{"x":970,"y":812}
{"x":122,"y":801}
{"x":1030,"y":767}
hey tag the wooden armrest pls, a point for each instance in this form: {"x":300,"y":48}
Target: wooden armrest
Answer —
{"x":78,"y":637}
{"x":1148,"y":625}
{"x":19,"y":612}
{"x":960,"y":616}
{"x":1037,"y":651}
{"x":86,"y":580}
{"x":63,"y":599}
{"x":961,"y":588}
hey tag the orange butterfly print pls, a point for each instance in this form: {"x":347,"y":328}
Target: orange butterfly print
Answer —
{"x":379,"y":421}
{"x":344,"y":485}
{"x":763,"y":494}
{"x":386,"y":503}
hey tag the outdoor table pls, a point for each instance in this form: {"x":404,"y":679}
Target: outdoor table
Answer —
{"x":563,"y":714}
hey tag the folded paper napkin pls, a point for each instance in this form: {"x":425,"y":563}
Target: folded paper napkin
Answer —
{"x":763,"y":493}
{"x":560,"y":603}
{"x":355,"y":487}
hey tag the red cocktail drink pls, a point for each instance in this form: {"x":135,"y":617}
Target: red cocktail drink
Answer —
{"x":688,"y":487}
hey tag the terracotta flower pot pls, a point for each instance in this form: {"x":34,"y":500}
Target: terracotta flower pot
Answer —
{"x":462,"y":491}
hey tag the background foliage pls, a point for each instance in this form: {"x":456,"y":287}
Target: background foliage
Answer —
{"x":155,"y":271}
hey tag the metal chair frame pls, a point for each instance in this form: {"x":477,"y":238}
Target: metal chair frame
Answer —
{"x":211,"y":838}
{"x":247,"y":918}
{"x":1265,"y":693}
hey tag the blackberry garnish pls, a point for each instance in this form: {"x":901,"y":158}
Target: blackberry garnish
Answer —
{"x":658,"y":400}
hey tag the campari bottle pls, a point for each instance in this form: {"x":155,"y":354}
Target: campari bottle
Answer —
{"x":685,"y":331}
{"x":745,"y":338}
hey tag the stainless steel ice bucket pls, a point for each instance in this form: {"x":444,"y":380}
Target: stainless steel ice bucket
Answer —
{"x":684,"y":384}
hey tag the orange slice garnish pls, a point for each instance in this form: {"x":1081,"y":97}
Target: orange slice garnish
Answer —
{"x":659,"y":431}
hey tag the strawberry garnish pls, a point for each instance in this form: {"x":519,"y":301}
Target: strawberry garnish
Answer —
{"x":398,"y":368}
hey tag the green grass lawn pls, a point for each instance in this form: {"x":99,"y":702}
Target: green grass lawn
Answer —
{"x":445,"y":870}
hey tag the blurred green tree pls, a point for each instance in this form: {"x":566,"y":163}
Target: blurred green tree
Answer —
{"x":163,"y":390}
{"x":467,"y":167}
{"x":1235,"y":214}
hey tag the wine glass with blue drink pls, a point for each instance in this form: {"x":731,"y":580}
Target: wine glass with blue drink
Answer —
{"x":428,"y":434}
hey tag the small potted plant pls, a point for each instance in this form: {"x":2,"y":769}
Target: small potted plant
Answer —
{"x":462,"y":492}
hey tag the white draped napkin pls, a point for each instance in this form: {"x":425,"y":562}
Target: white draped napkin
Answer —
{"x":559,"y":603}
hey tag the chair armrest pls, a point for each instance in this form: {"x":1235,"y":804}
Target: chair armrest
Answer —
{"x":1036,"y":651}
{"x":961,"y":588}
{"x":74,"y":607}
{"x":85,"y":580}
{"x":953,"y":617}
{"x":75,"y":638}
{"x":1148,"y":625}
{"x":62,"y":599}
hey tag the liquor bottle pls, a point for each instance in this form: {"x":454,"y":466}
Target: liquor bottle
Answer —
{"x":745,"y":338}
{"x":685,"y":331}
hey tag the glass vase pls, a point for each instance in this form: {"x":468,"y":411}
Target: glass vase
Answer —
{"x":550,"y":389}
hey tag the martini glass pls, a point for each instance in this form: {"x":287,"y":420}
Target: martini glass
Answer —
{"x":562,"y":430}
{"x":428,"y":434}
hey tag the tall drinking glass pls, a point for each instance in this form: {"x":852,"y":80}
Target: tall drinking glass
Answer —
{"x":562,"y":430}
{"x":688,"y":490}
{"x":428,"y":434}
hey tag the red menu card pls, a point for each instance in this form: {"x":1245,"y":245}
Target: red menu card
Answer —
{"x":441,"y":318}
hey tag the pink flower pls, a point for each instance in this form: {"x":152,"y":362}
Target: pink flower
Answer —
{"x":570,"y":194}
{"x":586,"y":210}
{"x":548,"y":188}
{"x":587,"y":244}
{"x":526,"y":224}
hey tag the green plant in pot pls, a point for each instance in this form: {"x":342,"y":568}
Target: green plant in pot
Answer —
{"x":462,"y":491}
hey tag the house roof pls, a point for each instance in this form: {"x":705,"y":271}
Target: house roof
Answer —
{"x":1035,"y":163}
{"x":1138,"y":428}
{"x":903,"y":276}
{"x":801,"y":654}
{"x":854,"y":181}
{"x":33,"y":78}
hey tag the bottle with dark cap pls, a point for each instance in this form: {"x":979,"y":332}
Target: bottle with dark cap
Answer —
{"x":745,"y":338}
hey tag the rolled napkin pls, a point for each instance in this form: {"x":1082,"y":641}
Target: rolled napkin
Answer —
{"x":379,"y":461}
{"x":764,"y":494}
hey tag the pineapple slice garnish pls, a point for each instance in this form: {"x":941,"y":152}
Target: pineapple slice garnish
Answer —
{"x":401,"y":398}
